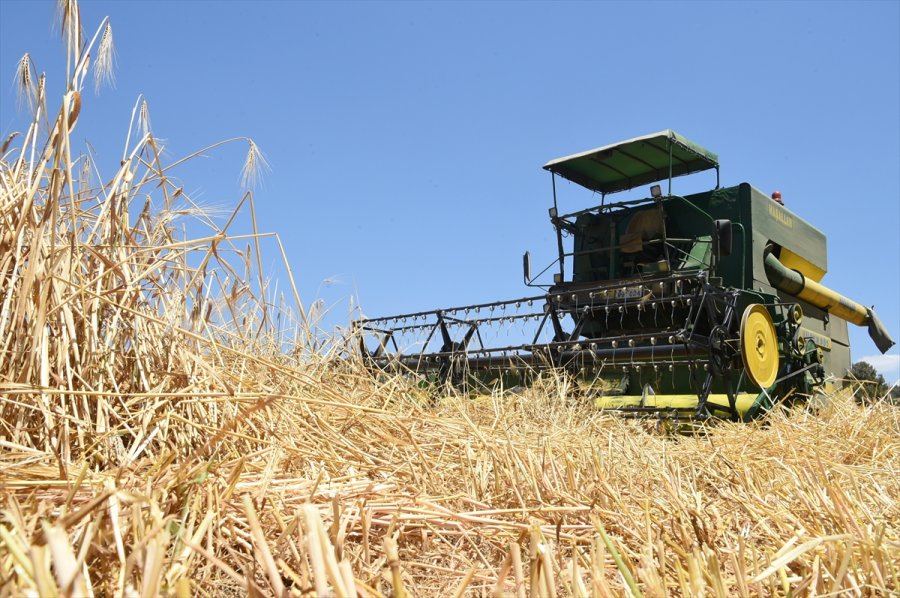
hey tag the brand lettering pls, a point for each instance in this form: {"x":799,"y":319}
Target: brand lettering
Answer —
{"x":780,"y":215}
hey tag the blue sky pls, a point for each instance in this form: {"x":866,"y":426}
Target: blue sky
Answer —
{"x":406,"y":139}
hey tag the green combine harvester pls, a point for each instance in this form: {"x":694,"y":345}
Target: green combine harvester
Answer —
{"x":705,"y":305}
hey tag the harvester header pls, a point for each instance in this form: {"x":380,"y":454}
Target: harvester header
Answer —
{"x":676,"y":306}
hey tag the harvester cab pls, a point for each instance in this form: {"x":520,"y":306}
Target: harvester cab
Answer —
{"x":676,"y":306}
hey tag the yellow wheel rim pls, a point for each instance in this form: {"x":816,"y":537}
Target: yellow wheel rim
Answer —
{"x":759,"y":346}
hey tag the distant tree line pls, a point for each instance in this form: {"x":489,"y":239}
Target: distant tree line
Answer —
{"x":871,"y":385}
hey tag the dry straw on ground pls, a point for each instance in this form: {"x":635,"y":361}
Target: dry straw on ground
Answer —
{"x":156,"y":437}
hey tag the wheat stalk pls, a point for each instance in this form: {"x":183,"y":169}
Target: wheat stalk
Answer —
{"x":157,"y":438}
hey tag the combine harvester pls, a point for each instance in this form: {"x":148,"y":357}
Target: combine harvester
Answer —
{"x":683,"y":307}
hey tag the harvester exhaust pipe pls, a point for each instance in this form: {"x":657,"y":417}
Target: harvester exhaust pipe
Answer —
{"x":794,"y":283}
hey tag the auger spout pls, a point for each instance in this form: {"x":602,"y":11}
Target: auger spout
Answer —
{"x":794,"y":283}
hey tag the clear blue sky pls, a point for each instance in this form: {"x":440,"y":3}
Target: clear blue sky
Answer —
{"x":406,"y":139}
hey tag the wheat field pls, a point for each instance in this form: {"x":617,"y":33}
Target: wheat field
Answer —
{"x":167,"y":427}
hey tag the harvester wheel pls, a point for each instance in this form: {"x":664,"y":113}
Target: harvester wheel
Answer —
{"x":759,"y":346}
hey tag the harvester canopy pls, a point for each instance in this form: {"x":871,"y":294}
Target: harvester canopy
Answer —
{"x":635,"y":162}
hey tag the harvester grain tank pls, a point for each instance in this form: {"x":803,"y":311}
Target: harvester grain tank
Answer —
{"x":681,"y":306}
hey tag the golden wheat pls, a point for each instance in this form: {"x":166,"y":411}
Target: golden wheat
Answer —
{"x":160,"y":436}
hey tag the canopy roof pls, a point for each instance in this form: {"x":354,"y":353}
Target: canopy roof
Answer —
{"x":636,"y":162}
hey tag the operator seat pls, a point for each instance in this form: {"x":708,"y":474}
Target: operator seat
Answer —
{"x":641,"y":243}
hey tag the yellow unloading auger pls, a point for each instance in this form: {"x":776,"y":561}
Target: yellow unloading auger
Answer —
{"x":666,"y":305}
{"x":794,"y":283}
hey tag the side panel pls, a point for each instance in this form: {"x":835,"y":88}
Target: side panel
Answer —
{"x":777,"y":224}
